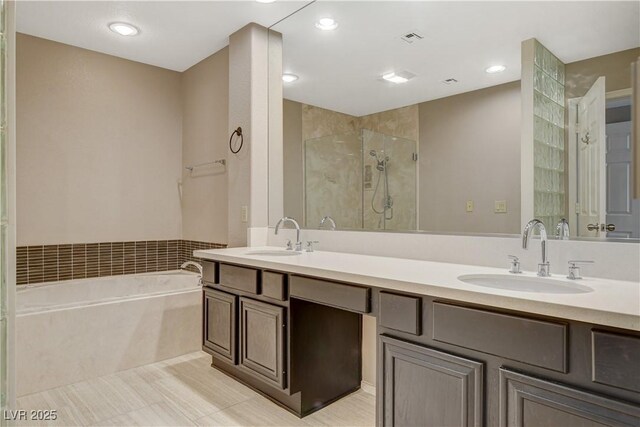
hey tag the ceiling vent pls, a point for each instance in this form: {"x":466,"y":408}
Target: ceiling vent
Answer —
{"x":450,"y":81}
{"x":411,"y":37}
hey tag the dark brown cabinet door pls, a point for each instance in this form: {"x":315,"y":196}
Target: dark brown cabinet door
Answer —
{"x":219,"y":324}
{"x":526,"y":401}
{"x":425,"y":387}
{"x":262,"y":341}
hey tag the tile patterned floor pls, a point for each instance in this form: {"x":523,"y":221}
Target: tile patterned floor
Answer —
{"x":184,"y":391}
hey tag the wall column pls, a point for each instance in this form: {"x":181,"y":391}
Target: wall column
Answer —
{"x":249,"y":108}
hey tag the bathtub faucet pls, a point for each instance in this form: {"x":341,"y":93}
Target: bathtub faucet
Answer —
{"x":192,"y":263}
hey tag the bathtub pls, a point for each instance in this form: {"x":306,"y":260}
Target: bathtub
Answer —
{"x":74,"y":330}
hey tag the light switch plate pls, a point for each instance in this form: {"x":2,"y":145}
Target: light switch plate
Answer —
{"x":469,"y":205}
{"x":500,"y":206}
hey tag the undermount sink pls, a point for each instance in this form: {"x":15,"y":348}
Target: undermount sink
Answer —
{"x":272,"y":252}
{"x":514,"y":282}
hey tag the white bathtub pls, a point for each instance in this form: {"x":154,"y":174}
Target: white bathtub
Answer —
{"x":79,"y":329}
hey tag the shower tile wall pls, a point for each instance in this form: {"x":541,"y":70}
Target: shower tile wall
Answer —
{"x":548,"y":130}
{"x":318,"y":122}
{"x":402,"y":122}
{"x":333,"y":180}
{"x":50,"y":263}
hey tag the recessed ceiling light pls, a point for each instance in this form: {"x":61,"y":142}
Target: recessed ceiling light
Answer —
{"x":327,"y":24}
{"x":288,"y":78}
{"x":496,"y":69}
{"x":123,"y":29}
{"x":265,"y":1}
{"x":399,"y":77}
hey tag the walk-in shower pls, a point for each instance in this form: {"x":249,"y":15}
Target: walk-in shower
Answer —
{"x":365,"y":180}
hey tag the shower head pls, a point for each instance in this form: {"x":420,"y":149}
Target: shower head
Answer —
{"x":373,"y":153}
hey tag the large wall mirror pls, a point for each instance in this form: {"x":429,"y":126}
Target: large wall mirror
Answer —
{"x":460,"y":117}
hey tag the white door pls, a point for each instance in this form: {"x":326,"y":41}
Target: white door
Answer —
{"x":591,"y":162}
{"x":622,"y":210}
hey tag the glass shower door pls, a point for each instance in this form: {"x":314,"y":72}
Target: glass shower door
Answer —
{"x":389,"y":182}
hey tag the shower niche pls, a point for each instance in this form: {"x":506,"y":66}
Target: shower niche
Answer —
{"x":363,"y":180}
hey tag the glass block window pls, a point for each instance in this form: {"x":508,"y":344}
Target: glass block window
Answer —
{"x":548,"y":131}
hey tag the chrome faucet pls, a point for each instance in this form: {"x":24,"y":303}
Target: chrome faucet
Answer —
{"x":295,"y":223}
{"x":194,"y":264}
{"x":543,"y":267}
{"x":562,"y":229}
{"x":332,"y":223}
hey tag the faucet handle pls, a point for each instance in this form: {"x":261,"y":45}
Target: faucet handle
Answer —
{"x":289,"y":245}
{"x":310,"y":245}
{"x":574,"y":269}
{"x":515,"y":264}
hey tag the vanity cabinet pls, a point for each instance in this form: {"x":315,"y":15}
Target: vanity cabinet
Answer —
{"x":475,"y":365}
{"x":425,"y":387}
{"x":528,"y":401}
{"x":262,"y":344}
{"x":219,"y":324}
{"x":299,"y":353}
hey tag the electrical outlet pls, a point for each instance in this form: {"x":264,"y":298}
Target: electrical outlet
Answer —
{"x":244,"y":214}
{"x":469,"y":205}
{"x":500,"y":206}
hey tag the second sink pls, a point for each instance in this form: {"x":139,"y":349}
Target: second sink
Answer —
{"x":525,"y":283}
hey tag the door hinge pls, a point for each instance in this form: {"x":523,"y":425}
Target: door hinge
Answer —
{"x":414,"y":157}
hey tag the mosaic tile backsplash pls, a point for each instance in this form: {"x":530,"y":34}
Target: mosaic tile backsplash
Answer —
{"x":50,"y":263}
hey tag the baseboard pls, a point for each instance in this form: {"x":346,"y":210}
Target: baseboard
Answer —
{"x":368,"y":387}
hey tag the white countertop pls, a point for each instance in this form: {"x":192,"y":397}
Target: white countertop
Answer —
{"x":613,"y":302}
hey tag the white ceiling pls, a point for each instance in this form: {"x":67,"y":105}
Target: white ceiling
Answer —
{"x":340,"y":70}
{"x":174,"y":34}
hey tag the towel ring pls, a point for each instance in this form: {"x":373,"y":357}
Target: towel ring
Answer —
{"x":239,"y":133}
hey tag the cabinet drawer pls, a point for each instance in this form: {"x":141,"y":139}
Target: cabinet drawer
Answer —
{"x":400,"y":312}
{"x":262,"y":347}
{"x":616,"y":360}
{"x":273,"y":285}
{"x":209,"y":271}
{"x":334,"y":294}
{"x":219,"y":324}
{"x":536,"y":342}
{"x":240,"y":278}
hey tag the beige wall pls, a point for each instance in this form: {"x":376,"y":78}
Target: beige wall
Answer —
{"x":470,"y":150}
{"x":205,"y":110}
{"x":616,"y":67}
{"x":99,"y":146}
